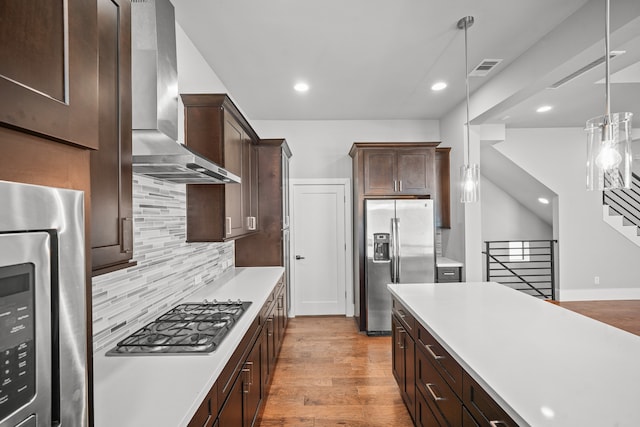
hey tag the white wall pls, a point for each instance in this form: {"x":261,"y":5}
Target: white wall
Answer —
{"x":321,"y":147}
{"x":588,"y":247}
{"x":504,"y":218}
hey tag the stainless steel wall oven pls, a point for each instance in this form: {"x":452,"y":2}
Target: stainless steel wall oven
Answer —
{"x":43,"y":356}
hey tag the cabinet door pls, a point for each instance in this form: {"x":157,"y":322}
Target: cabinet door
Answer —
{"x":111,"y":175}
{"x":443,"y":183}
{"x":416,"y":171}
{"x":252,"y":383}
{"x":409,"y":348}
{"x":50,"y":84}
{"x":233,"y":143}
{"x":397,"y":353}
{"x":380,"y":172}
{"x":231,"y":414}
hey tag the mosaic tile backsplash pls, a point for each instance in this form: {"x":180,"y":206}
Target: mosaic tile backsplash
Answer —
{"x":168,"y":268}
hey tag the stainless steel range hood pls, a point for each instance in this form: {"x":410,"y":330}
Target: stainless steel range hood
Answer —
{"x":156,"y":152}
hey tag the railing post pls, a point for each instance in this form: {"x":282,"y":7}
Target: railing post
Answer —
{"x":553,"y":270}
{"x":487,"y":258}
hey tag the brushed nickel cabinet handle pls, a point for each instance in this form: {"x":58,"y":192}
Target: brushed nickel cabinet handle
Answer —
{"x":433,"y":393}
{"x":432,"y":353}
{"x":228,"y":225}
{"x":400,"y":331}
{"x":497,"y":423}
{"x":395,"y":185}
{"x":400,"y":185}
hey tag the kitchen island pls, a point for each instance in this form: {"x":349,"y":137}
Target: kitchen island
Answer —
{"x":167,"y":390}
{"x":542,"y":364}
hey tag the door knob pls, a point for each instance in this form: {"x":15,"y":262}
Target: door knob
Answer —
{"x":299,"y":257}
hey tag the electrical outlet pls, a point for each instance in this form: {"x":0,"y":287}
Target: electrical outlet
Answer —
{"x":596,"y":280}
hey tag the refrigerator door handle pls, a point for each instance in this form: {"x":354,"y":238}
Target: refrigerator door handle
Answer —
{"x":392,"y":248}
{"x":396,"y":232}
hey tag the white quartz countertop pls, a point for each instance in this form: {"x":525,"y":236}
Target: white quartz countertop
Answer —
{"x":447,"y":262}
{"x":166,"y":390}
{"x":545,"y":365}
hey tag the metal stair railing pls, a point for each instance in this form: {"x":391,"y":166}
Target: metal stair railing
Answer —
{"x":625,"y":202}
{"x":524,"y":265}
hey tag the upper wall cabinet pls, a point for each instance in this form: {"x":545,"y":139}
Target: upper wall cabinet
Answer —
{"x":396,"y":169}
{"x":49,"y":69}
{"x":215,"y":128}
{"x":111,"y":175}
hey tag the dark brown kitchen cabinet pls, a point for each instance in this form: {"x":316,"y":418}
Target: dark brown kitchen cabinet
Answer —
{"x":443,"y":184}
{"x":111,"y":174}
{"x":399,"y":171}
{"x":269,"y":246}
{"x":49,"y":86}
{"x":403,"y":361}
{"x":215,"y":128}
{"x":435,"y":388}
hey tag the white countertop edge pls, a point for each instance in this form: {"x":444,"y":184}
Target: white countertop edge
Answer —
{"x":168,"y":389}
{"x":447,"y":262}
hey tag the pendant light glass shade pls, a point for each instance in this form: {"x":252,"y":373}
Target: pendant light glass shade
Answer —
{"x":469,"y":188}
{"x":609,"y":152}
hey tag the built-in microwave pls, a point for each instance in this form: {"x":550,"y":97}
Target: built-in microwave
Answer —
{"x":43,"y":374}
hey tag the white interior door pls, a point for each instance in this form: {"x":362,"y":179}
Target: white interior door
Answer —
{"x":319,"y":249}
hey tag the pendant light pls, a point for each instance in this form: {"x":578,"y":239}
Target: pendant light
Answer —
{"x":469,"y":173}
{"x":608,"y":139}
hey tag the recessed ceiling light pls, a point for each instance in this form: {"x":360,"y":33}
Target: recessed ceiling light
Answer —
{"x":438,"y":86}
{"x":301,"y":87}
{"x":544,"y":109}
{"x":543,"y":200}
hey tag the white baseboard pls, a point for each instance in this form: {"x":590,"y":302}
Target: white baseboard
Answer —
{"x":599,"y":294}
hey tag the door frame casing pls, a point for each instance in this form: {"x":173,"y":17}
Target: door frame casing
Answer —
{"x":348,"y":271}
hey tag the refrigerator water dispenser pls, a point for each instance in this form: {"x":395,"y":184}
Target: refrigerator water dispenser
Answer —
{"x":381,"y":247}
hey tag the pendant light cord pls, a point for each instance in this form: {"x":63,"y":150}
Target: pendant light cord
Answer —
{"x":466,"y":76}
{"x":606,"y":62}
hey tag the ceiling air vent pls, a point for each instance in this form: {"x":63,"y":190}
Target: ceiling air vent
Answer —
{"x":584,"y":69}
{"x":484,"y":67}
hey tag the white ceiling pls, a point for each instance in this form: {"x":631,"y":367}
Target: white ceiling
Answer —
{"x":377,"y":59}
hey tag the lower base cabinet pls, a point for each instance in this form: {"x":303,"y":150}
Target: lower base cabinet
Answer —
{"x":444,"y":394}
{"x":236,"y":397}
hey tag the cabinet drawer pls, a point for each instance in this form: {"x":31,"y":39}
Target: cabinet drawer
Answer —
{"x":448,"y":274}
{"x":424,"y":416}
{"x":448,"y":368}
{"x":441,"y":398}
{"x":482,"y":407}
{"x":406,"y":319}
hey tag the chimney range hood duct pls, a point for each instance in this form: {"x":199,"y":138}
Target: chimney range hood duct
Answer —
{"x":156,"y":152}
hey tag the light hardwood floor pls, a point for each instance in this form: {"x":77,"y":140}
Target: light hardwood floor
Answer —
{"x":621,"y":314}
{"x":328,"y":374}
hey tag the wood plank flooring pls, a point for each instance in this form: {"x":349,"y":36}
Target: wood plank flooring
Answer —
{"x":328,"y":374}
{"x":623,"y":314}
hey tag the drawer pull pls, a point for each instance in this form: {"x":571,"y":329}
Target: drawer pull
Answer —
{"x":434,"y":395}
{"x":432,"y":353}
{"x":448,"y":273}
{"x":497,"y":423}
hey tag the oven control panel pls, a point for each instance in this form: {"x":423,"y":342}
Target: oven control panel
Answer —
{"x":17,"y":338}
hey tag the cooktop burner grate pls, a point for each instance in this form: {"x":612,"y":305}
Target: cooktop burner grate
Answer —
{"x":195,"y":328}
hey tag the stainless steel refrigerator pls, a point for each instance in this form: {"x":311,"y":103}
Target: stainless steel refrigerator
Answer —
{"x":400,"y":249}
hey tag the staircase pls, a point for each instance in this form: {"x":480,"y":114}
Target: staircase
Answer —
{"x":621,"y":210}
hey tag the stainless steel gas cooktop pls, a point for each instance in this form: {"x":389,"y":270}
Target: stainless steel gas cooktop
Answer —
{"x":192,"y":328}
